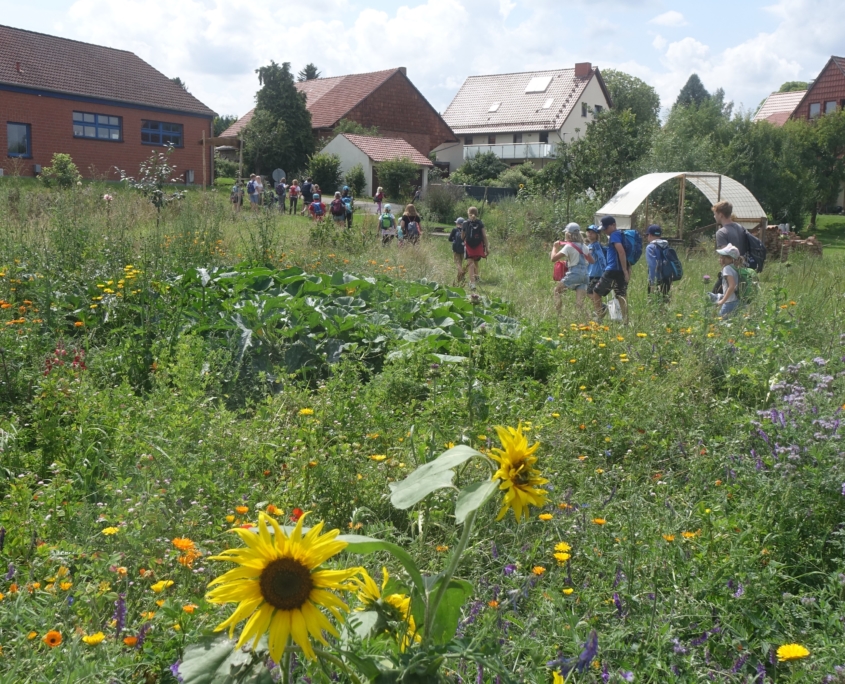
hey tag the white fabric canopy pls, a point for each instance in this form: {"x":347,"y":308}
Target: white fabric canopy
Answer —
{"x":714,"y":186}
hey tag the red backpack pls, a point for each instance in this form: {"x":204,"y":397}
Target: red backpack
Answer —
{"x":338,"y":208}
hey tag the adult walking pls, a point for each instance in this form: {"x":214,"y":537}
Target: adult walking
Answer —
{"x":293,"y":195}
{"x":281,"y":191}
{"x":456,"y":237}
{"x":572,"y":251}
{"x":251,"y":192}
{"x":475,"y":243}
{"x":411,"y":224}
{"x":307,"y":191}
{"x":259,"y":190}
{"x":616,"y":274}
{"x":729,"y":233}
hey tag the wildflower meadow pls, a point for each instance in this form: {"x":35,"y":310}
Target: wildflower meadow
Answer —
{"x":242,"y":447}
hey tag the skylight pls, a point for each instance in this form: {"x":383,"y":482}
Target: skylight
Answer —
{"x":495,"y":107}
{"x":548,"y":103}
{"x":538,"y":84}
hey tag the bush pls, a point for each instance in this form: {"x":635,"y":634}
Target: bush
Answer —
{"x":482,"y":167}
{"x":324,"y":170}
{"x":62,"y":172}
{"x":225,"y":168}
{"x":397,"y":177}
{"x":516,"y":177}
{"x":441,"y":202}
{"x":356,"y":180}
{"x":224,"y":182}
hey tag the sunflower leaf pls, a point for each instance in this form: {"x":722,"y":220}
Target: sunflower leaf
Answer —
{"x":429,"y":477}
{"x":473,"y":497}
{"x":365,"y":545}
{"x":215,"y":661}
{"x":445,"y":622}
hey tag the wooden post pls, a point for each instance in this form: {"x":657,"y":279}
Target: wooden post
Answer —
{"x":211,"y":159}
{"x":681,"y":207}
{"x":240,"y":157}
{"x":204,"y":160}
{"x":719,"y":195}
{"x":646,"y":211}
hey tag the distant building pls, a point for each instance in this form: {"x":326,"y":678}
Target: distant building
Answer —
{"x":826,"y":94}
{"x":107,"y":108}
{"x":521,"y":117}
{"x":779,"y":107}
{"x":369,"y":151}
{"x":384,"y":99}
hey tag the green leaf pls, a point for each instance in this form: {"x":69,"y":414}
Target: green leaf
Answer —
{"x":429,"y":477}
{"x":215,"y":661}
{"x":365,"y":545}
{"x":473,"y":497}
{"x":363,"y":623}
{"x":448,"y":615}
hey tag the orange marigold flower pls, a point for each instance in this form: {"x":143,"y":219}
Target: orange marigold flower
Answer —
{"x":241,"y":510}
{"x":52,"y":638}
{"x":538,"y":570}
{"x":130,"y":641}
{"x":599,"y":521}
{"x":183,"y":544}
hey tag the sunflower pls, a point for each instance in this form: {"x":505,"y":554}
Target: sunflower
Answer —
{"x":519,"y":479}
{"x":52,"y":638}
{"x":280,"y":587}
{"x":370,"y":594}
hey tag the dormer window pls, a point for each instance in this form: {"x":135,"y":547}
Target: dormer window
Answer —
{"x":494,"y":107}
{"x":538,"y":84}
{"x":548,"y":103}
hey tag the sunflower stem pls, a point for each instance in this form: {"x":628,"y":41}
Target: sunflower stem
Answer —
{"x":334,"y":660}
{"x":433,"y":605}
{"x":286,"y":664}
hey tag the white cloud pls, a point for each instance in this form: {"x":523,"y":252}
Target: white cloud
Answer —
{"x":670,"y":18}
{"x":506,"y":7}
{"x":659,"y":42}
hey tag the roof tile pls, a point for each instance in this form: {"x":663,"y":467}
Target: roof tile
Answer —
{"x":386,"y":149}
{"x":778,"y":107}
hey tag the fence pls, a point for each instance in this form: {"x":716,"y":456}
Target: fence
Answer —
{"x":486,"y":193}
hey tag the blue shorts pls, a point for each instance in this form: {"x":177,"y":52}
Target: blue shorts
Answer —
{"x":254,"y":198}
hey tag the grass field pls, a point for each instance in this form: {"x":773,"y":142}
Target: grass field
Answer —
{"x":162,"y":382}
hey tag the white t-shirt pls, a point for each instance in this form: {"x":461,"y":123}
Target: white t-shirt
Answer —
{"x":572,"y":256}
{"x":730,"y":271}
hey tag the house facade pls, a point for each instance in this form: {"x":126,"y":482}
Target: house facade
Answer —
{"x":386,"y":99}
{"x":368,"y":151}
{"x":106,"y":108}
{"x":522,"y":116}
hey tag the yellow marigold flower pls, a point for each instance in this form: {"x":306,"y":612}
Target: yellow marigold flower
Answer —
{"x":78,"y":324}
{"x":441,"y":548}
{"x":280,"y":586}
{"x":306,"y":412}
{"x":620,"y":338}
{"x":555,"y":415}
{"x":642,"y":335}
{"x":183,"y":544}
{"x":562,"y":557}
{"x":789,"y":652}
{"x":599,"y":471}
{"x":108,"y":531}
{"x":669,"y":537}
{"x":573,"y":360}
{"x":103,"y":587}
{"x":230,"y":518}
{"x":567,"y":591}
{"x":599,"y":521}
{"x":370,"y":594}
{"x":160,"y":603}
{"x":189,"y":608}
{"x":65,"y":585}
{"x":161,"y":585}
{"x":690,"y":535}
{"x":148,"y":615}
{"x":53,"y":638}
{"x":563,"y":547}
{"x":121,"y":571}
{"x":31,"y":635}
{"x":483,"y":438}
{"x":34,"y":586}
{"x":493,"y":604}
{"x":274,"y":510}
{"x":241,"y":510}
{"x":518,"y":477}
{"x":538,"y":570}
{"x":94,"y":639}
{"x":545,"y":516}
{"x":378,"y":457}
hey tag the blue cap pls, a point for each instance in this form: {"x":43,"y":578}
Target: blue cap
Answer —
{"x":654,"y":229}
{"x":607,"y":221}
{"x":593,"y":228}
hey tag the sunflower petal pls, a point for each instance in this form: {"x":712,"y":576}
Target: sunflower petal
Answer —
{"x":256,"y":625}
{"x":299,"y":633}
{"x":279,"y":634}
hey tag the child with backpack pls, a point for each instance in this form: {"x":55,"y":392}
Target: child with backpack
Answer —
{"x":655,"y":257}
{"x":317,"y":209}
{"x":571,"y":262}
{"x":457,"y":239}
{"x":411,"y":225}
{"x":252,"y":191}
{"x":338,"y":211}
{"x":293,"y":195}
{"x":476,"y":246}
{"x":379,"y":198}
{"x":281,"y":191}
{"x":622,"y":253}
{"x":728,"y":300}
{"x":387,"y":226}
{"x":348,"y":203}
{"x":595,"y":269}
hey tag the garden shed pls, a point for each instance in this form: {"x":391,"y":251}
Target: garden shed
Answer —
{"x":715,"y":186}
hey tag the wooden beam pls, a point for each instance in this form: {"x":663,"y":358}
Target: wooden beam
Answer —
{"x":681,"y":206}
{"x":228,"y":140}
{"x":204,"y":160}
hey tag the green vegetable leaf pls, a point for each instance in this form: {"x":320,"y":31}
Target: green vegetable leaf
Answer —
{"x":215,"y":661}
{"x":473,"y":497}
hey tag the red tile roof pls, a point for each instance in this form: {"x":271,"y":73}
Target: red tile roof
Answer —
{"x":778,"y":107}
{"x":386,"y":149}
{"x":329,"y":99}
{"x":49,"y":63}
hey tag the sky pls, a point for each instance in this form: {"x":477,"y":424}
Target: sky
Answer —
{"x":747,"y":47}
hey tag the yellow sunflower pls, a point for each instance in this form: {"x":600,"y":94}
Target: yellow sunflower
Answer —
{"x":519,"y":479}
{"x":280,"y":587}
{"x":370,"y":594}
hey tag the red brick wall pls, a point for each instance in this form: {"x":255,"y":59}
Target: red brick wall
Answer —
{"x":51,"y":121}
{"x":400,"y":111}
{"x":829,"y":86}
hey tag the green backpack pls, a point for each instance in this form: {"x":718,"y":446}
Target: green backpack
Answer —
{"x":748,"y":285}
{"x":386,"y":221}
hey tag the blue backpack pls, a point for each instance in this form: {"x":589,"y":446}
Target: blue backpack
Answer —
{"x":632,"y":241}
{"x":669,"y":266}
{"x":347,"y":201}
{"x":250,"y":188}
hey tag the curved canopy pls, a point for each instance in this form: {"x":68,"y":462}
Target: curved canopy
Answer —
{"x":714,"y":186}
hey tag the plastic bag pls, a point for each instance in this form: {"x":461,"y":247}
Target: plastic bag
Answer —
{"x":615,"y":310}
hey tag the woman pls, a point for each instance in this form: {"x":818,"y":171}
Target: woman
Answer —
{"x":259,"y":190}
{"x":476,"y":246}
{"x":411,"y":224}
{"x":577,"y":260}
{"x":379,"y":198}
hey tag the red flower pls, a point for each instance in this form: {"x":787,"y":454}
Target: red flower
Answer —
{"x":296,"y":514}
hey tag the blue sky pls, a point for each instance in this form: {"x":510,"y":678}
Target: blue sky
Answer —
{"x":748,"y":47}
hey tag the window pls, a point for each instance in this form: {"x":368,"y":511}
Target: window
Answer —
{"x":467,"y":140}
{"x":815,"y":110}
{"x":538,"y":84}
{"x":491,"y":139}
{"x":517,"y":138}
{"x":830,"y":107}
{"x":544,"y":137}
{"x":494,"y":107}
{"x":19,"y":140}
{"x":583,"y":109}
{"x":548,"y":103}
{"x":598,"y":109}
{"x":160,"y":133}
{"x":99,"y":126}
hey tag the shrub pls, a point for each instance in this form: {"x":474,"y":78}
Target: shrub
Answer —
{"x":225,"y":168}
{"x":224,"y":182}
{"x":62,"y":172}
{"x":397,"y":176}
{"x":441,"y":202}
{"x":324,"y":170}
{"x":516,"y":176}
{"x":356,"y":180}
{"x":483,"y":166}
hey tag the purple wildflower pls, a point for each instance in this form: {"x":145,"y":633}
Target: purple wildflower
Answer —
{"x":819,"y":361}
{"x":494,"y":550}
{"x":740,"y":590}
{"x":510,"y":568}
{"x":174,"y":669}
{"x":2,"y":538}
{"x":627,"y":676}
{"x":142,"y":634}
{"x":119,"y":613}
{"x":605,"y":673}
{"x":740,"y":663}
{"x":10,"y":573}
{"x":761,"y":673}
{"x":618,"y":603}
{"x":679,"y":648}
{"x":480,"y":678}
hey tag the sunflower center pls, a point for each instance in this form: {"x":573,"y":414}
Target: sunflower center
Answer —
{"x":286,"y":584}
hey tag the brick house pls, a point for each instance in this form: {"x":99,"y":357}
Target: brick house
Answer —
{"x":385,"y":99}
{"x":826,"y":94}
{"x":107,"y":108}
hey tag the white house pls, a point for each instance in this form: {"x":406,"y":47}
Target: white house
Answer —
{"x":369,"y":151}
{"x":521,"y":117}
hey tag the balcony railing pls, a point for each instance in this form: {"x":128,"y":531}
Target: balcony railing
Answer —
{"x":514,"y":151}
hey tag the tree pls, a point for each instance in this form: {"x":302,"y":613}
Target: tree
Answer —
{"x":793,"y":86}
{"x":517,"y":177}
{"x":266,"y":143}
{"x":397,"y":176}
{"x":283,"y":103}
{"x":693,"y":92}
{"x":309,"y":73}
{"x":324,"y":170}
{"x":483,"y":166}
{"x":62,"y":171}
{"x":634,"y":94}
{"x":353,"y":127}
{"x":221,"y":123}
{"x":356,"y":179}
{"x":178,"y":81}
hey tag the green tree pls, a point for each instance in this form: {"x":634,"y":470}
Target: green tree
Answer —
{"x":634,"y":94}
{"x":397,"y":177}
{"x":356,"y":179}
{"x":324,"y":170}
{"x":483,"y":166}
{"x":793,"y":86}
{"x":280,"y":99}
{"x":693,"y":92}
{"x":221,"y":123}
{"x":62,"y":172}
{"x":266,"y":143}
{"x":178,"y":81}
{"x":309,"y":73}
{"x":517,"y":176}
{"x":354,"y":128}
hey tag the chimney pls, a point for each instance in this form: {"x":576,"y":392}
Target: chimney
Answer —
{"x":404,"y":70}
{"x":583,"y":69}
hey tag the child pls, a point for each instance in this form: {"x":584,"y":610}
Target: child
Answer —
{"x":596,"y":250}
{"x":657,"y":283}
{"x":379,"y":198}
{"x":349,"y":203}
{"x":293,"y":195}
{"x":728,"y":301}
{"x":387,"y":226}
{"x":577,"y":260}
{"x":317,"y":209}
{"x":456,"y":237}
{"x":338,"y":211}
{"x":411,"y":226}
{"x":476,"y":246}
{"x":281,"y":191}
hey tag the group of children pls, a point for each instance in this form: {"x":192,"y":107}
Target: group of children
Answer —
{"x":341,"y":207}
{"x":407,"y":229}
